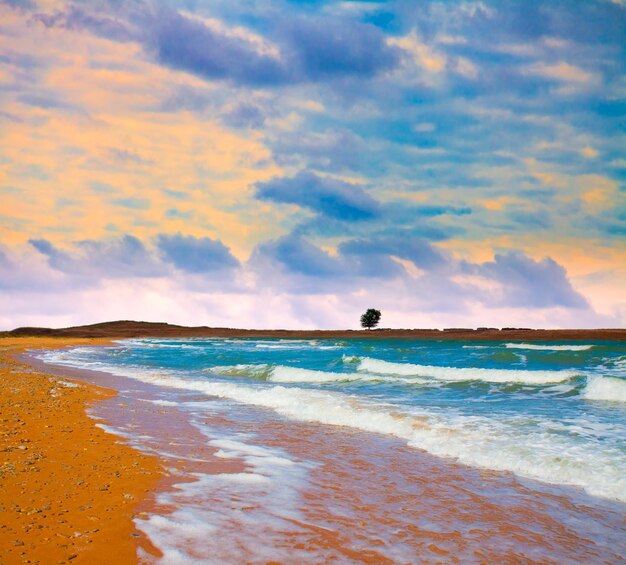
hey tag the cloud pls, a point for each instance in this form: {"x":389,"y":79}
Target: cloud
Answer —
{"x":124,"y":257}
{"x":294,"y":263}
{"x":481,"y":139}
{"x":195,"y":255}
{"x":19,"y":4}
{"x":327,"y":151}
{"x":422,"y":254}
{"x":304,"y":49}
{"x":132,"y":203}
{"x":90,"y":261}
{"x":531,"y":284}
{"x":245,"y":116}
{"x":562,"y":72}
{"x":325,"y":48}
{"x":191,"y":45}
{"x":75,"y":18}
{"x":298,"y":256}
{"x":327,"y":196}
{"x":292,"y":283}
{"x":535,"y":219}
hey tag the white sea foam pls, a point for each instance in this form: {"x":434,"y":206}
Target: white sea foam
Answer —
{"x":283,"y":374}
{"x":465,"y":373}
{"x":67,"y":384}
{"x":249,"y":509}
{"x":288,"y":374}
{"x":548,"y":347}
{"x":163,"y":402}
{"x":515,"y":443}
{"x":288,"y":344}
{"x":609,"y":389}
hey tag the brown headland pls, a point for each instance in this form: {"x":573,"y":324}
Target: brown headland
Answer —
{"x":129,"y":328}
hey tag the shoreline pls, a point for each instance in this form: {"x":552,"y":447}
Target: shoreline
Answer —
{"x":132,"y":329}
{"x":456,"y":497}
{"x":68,"y":489}
{"x":440,"y":490}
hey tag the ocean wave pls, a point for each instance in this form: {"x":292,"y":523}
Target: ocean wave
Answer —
{"x":473,"y":440}
{"x":465,"y":373}
{"x":250,"y":370}
{"x":293,"y":346}
{"x":288,"y":374}
{"x":284,"y":374}
{"x":548,"y":347}
{"x":511,"y":442}
{"x":609,"y":389}
{"x":151,"y":344}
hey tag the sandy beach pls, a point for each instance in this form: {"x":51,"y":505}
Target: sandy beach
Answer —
{"x":68,"y":490}
{"x":243,"y":485}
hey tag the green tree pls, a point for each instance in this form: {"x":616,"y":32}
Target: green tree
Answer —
{"x":370,"y":319}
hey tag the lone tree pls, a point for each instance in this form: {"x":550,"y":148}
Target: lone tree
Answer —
{"x":370,"y":319}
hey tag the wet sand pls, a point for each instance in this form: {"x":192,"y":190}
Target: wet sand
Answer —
{"x":366,"y":499}
{"x":68,"y":489}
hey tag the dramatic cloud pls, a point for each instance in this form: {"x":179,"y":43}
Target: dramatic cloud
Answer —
{"x":529,"y":283}
{"x":324,"y":48}
{"x":126,"y":257}
{"x":301,"y":257}
{"x":196,"y":255}
{"x":191,"y":45}
{"x":317,"y":157}
{"x":420,"y":253}
{"x":354,"y":259}
{"x":327,"y":196}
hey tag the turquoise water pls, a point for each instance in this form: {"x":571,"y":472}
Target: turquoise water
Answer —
{"x":553,"y":412}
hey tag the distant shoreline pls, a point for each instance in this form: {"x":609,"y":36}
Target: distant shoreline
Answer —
{"x":133,"y":329}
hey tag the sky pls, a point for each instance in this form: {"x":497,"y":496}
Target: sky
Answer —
{"x":283,"y":163}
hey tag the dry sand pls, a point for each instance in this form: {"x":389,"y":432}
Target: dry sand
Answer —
{"x":68,"y":490}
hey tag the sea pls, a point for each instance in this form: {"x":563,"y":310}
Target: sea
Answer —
{"x":372,"y":450}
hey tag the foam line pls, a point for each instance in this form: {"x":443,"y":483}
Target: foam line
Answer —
{"x":465,"y":373}
{"x":287,"y":374}
{"x":538,"y":347}
{"x":609,"y":389}
{"x":515,"y":443}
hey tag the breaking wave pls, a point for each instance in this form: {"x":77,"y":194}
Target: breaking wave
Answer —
{"x":538,"y":347}
{"x":609,"y":389}
{"x":286,"y":374}
{"x":465,"y":373}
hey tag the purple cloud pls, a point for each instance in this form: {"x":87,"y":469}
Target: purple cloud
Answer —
{"x":420,"y":253}
{"x":125,"y":257}
{"x":533,"y":284}
{"x":327,"y":196}
{"x":300,"y":257}
{"x":76,"y":18}
{"x":195,"y":255}
{"x":190,"y":45}
{"x":326,"y":48}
